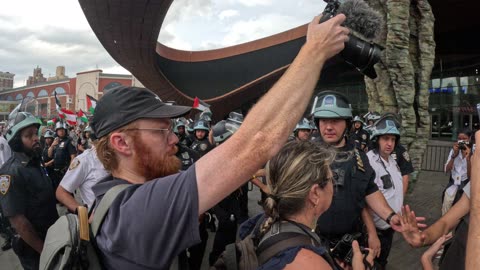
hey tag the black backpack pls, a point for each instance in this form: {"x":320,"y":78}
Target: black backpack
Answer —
{"x":251,"y":252}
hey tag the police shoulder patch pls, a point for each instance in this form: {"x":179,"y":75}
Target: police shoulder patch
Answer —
{"x":406,"y":156}
{"x":74,"y":164}
{"x":185,"y":155}
{"x":5,"y":181}
{"x":364,"y":136}
{"x":359,"y":160}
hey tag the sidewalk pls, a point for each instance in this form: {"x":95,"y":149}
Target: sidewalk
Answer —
{"x":425,"y":200}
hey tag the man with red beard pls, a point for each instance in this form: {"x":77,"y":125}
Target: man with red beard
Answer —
{"x":156,"y":217}
{"x":27,"y":197}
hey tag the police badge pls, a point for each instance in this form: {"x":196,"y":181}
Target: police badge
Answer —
{"x":4,"y":184}
{"x":406,"y":156}
{"x":203,"y":146}
{"x":185,"y":155}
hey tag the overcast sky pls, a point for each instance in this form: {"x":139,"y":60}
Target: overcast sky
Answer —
{"x":51,"y":33}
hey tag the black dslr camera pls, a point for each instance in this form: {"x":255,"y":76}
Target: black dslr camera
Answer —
{"x":361,"y":54}
{"x":462,"y":145}
{"x":343,"y":250}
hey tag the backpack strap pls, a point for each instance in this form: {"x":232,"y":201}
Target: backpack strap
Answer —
{"x":102,"y":209}
{"x":229,"y":257}
{"x":279,"y":243}
{"x":284,"y":235}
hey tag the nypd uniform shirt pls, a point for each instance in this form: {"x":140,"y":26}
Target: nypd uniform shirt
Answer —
{"x":202,"y":146}
{"x":26,"y":190}
{"x":5,"y":151}
{"x":149,"y":224}
{"x":353,"y":181}
{"x":187,"y":156}
{"x":401,"y":156}
{"x":393,"y":195}
{"x":84,"y":172}
{"x":63,"y":152}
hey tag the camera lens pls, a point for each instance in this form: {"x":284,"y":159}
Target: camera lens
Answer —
{"x":362,"y":54}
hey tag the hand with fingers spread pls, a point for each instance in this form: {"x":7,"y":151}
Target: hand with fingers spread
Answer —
{"x":410,"y":228}
{"x":327,"y":38}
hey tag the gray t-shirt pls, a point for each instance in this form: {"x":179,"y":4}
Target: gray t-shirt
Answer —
{"x":149,"y":224}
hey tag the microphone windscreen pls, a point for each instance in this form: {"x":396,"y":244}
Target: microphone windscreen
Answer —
{"x":361,"y":18}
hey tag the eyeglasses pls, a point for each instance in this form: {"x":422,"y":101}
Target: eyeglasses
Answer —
{"x":168,"y":130}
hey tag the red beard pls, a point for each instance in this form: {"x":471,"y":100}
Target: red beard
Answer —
{"x":152,"y":166}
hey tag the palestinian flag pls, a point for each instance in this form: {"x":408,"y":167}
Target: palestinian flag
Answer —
{"x":69,"y":116}
{"x":91,"y":104}
{"x":81,"y":115}
{"x":200,"y":105}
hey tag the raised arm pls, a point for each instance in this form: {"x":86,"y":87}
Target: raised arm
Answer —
{"x":473,"y":243}
{"x":272,"y":119}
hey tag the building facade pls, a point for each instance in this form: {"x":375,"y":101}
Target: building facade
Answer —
{"x":70,"y":91}
{"x":6,"y":80}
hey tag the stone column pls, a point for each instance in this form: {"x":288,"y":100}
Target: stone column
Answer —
{"x":405,"y":69}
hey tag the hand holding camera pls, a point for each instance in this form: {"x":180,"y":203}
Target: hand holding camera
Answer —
{"x":360,"y":53}
{"x":350,"y":255}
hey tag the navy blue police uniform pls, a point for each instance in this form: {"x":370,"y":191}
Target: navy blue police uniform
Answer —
{"x":353,"y":181}
{"x":61,"y":158}
{"x":202,"y":146}
{"x":25,"y":189}
{"x":360,"y":137}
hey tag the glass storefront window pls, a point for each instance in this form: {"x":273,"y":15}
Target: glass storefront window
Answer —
{"x":453,"y":105}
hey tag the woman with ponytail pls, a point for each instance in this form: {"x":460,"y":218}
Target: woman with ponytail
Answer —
{"x":300,"y":181}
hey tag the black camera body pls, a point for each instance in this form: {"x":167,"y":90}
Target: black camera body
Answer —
{"x":343,"y":250}
{"x":462,"y":145}
{"x":361,"y":54}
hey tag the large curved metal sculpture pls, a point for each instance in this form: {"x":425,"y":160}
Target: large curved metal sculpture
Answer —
{"x":225,"y":78}
{"x":230,"y":77}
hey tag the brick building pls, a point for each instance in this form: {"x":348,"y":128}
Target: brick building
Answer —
{"x":70,"y":91}
{"x":6,"y":80}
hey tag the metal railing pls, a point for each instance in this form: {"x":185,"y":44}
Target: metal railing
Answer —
{"x":436,"y":155}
